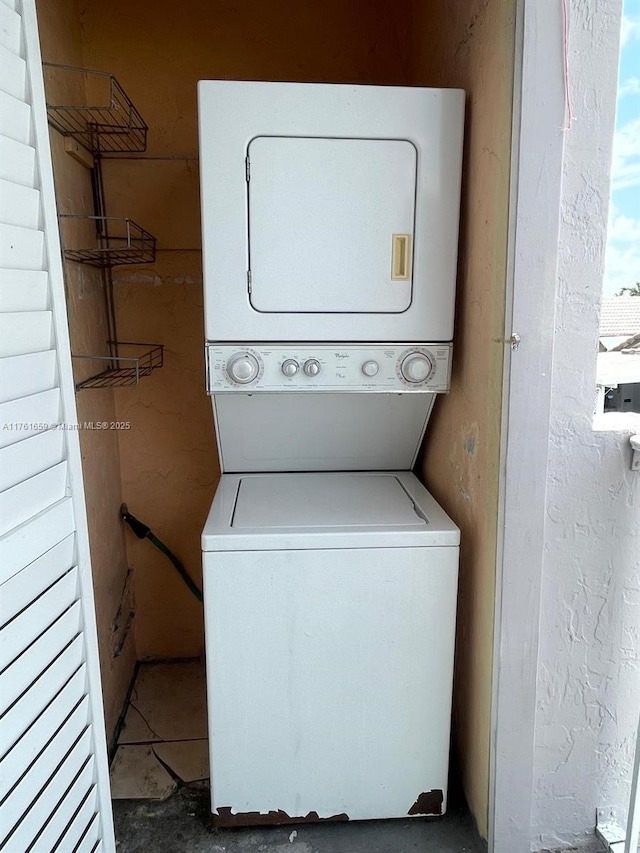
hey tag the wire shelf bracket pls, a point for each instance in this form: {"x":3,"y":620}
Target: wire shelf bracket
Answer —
{"x":124,"y":371}
{"x":104,"y":118}
{"x":119,"y":239}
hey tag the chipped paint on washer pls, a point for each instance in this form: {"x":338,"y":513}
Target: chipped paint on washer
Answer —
{"x":428,"y":803}
{"x":226,"y":818}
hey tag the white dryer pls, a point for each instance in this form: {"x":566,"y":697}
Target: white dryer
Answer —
{"x":330,"y":620}
{"x":329,"y":212}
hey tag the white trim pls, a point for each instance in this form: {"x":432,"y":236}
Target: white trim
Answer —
{"x":537,"y":175}
{"x":75,"y":485}
{"x":508,"y":330}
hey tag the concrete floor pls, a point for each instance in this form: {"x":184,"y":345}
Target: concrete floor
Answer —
{"x":180,"y":824}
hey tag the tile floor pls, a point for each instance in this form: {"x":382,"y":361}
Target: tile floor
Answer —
{"x":159,"y":779}
{"x":163,"y":741}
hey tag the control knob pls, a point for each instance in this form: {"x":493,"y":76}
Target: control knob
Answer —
{"x":370,"y":368}
{"x":416,"y":367}
{"x":243,"y":368}
{"x":311,"y":367}
{"x":290,"y":367}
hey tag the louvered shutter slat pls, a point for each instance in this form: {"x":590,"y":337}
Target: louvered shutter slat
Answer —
{"x":34,"y":661}
{"x":90,"y":841}
{"x":30,"y":540}
{"x":36,"y":737}
{"x":21,"y":248}
{"x":23,"y":589}
{"x":72,"y":800}
{"x":27,"y":458}
{"x":24,"y":290}
{"x":30,"y":497}
{"x":17,"y":162}
{"x":35,"y":779}
{"x":22,"y":418}
{"x":33,"y":701}
{"x":24,"y":628}
{"x":15,"y":118}
{"x":80,"y":824}
{"x":10,"y":29}
{"x":54,"y":794}
{"x":19,"y":205}
{"x":24,"y":375}
{"x":37,"y":816}
{"x":23,"y":332}
{"x":13,"y":74}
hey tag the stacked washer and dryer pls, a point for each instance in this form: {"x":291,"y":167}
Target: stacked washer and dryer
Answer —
{"x":330,"y":224}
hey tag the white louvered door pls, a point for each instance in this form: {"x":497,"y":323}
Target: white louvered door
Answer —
{"x":54,"y":782}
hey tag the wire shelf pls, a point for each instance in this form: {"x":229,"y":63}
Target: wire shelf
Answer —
{"x":102,"y":117}
{"x":120,"y":241}
{"x":124,"y":371}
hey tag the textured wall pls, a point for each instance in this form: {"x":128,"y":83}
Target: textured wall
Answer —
{"x":589,"y":654}
{"x":169,"y":458}
{"x":60,"y":34}
{"x":473,"y":50}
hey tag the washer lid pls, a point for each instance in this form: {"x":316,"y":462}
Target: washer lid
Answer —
{"x":360,"y":509}
{"x":324,"y":501}
{"x":331,"y":224}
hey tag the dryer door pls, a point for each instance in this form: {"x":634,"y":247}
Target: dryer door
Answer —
{"x":331,"y":224}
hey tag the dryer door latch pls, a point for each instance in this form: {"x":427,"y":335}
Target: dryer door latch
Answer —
{"x":514,"y":341}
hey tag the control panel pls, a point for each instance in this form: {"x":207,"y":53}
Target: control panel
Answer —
{"x":356,"y":368}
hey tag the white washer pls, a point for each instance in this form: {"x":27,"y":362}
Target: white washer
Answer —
{"x":330,"y":623}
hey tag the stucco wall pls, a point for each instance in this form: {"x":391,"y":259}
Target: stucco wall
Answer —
{"x":588,"y":684}
{"x":60,"y":34}
{"x":471,"y":46}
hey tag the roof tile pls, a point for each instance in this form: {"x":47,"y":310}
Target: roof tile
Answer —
{"x":620,"y":316}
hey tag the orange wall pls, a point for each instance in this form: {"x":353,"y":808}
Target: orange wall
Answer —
{"x":473,"y":50}
{"x":60,"y":34}
{"x":169,"y":458}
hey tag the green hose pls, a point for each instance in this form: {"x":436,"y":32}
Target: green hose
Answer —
{"x":177,"y":565}
{"x":143,"y":532}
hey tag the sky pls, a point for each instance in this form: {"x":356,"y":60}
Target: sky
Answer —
{"x":622,"y":267}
